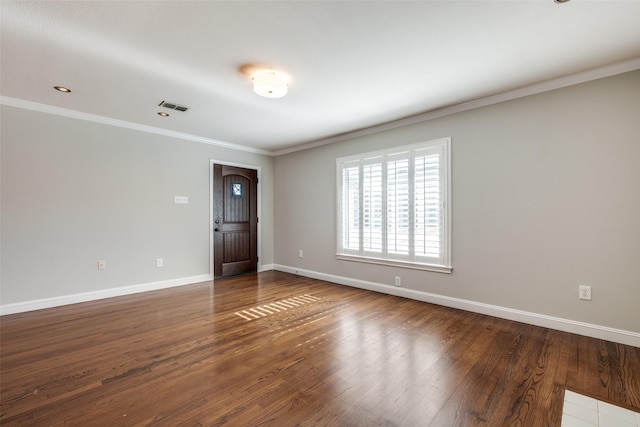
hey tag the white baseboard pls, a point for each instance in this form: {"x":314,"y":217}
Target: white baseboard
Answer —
{"x":566,"y":325}
{"x":39,"y":304}
{"x":266,"y":267}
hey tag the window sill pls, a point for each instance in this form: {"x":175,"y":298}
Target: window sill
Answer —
{"x":396,"y":263}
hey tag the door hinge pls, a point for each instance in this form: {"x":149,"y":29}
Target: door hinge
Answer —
{"x":257,"y":259}
{"x":257,"y":219}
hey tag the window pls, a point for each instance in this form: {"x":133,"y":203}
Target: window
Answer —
{"x":393,"y":206}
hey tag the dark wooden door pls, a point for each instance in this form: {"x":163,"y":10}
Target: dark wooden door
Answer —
{"x":235,"y":217}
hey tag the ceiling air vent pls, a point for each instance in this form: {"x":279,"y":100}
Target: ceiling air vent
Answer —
{"x":173,"y":106}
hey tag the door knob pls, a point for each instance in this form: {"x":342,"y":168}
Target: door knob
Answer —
{"x":216,"y":229}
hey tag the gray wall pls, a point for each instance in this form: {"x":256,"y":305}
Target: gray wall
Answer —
{"x":75,"y":192}
{"x":546,"y":196}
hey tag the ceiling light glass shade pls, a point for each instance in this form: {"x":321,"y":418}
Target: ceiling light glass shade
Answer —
{"x":270,"y":84}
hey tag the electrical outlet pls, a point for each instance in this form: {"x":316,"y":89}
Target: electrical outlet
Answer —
{"x":300,"y":254}
{"x":584,"y":292}
{"x":102,"y":264}
{"x":398,"y":281}
{"x":181,"y":200}
{"x":159,"y":262}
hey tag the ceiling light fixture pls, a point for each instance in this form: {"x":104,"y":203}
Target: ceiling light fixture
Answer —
{"x":62,"y":89}
{"x":270,"y":84}
{"x":560,"y":1}
{"x":163,"y":114}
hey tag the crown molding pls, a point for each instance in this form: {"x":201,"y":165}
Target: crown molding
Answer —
{"x":558,"y":83}
{"x":58,"y":111}
{"x":549,"y":85}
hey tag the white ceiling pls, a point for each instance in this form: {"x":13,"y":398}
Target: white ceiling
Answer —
{"x":353,"y":64}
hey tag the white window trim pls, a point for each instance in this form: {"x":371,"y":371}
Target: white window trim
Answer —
{"x":446,"y":267}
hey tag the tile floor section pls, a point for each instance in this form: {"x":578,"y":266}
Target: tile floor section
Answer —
{"x":583,"y":411}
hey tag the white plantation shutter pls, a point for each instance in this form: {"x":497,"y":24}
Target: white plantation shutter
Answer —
{"x":393,"y":205}
{"x":398,"y":206}
{"x":428,"y":206}
{"x":351,"y":213}
{"x":372,"y":206}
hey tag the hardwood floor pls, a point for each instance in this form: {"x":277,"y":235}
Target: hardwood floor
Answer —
{"x":283,"y":350}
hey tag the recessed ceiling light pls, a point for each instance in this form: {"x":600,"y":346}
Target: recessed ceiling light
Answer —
{"x":560,"y":1}
{"x":163,"y":114}
{"x":270,"y":84}
{"x":62,"y":89}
